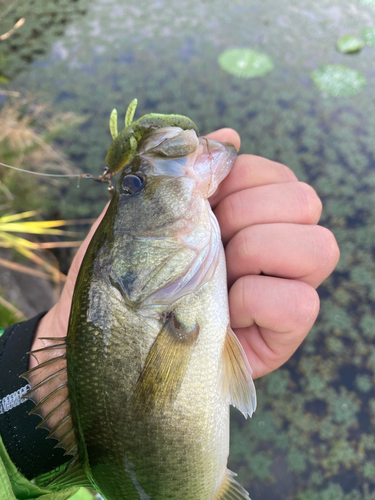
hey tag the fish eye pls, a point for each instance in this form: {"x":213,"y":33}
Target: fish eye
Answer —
{"x":132,"y":184}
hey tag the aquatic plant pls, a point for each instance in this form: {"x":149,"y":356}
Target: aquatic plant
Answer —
{"x":9,"y":33}
{"x":35,"y":25}
{"x":27,"y":129}
{"x":338,"y":80}
{"x":348,"y":44}
{"x":370,"y":3}
{"x":245,"y":63}
{"x":10,"y":224}
{"x":369,"y":36}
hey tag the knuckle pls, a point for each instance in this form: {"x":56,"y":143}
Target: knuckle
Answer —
{"x":244,"y":246}
{"x":241,"y":293}
{"x":238,"y":302}
{"x":307,"y":307}
{"x":310,"y":203}
{"x":327,"y":249}
{"x":251,"y":250}
{"x":229,"y":210}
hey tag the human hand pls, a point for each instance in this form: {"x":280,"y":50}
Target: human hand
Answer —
{"x":276,"y":255}
{"x":268,"y":222}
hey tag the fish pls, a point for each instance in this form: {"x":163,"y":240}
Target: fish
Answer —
{"x":139,"y":391}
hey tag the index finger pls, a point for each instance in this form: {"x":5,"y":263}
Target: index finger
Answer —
{"x":251,"y":171}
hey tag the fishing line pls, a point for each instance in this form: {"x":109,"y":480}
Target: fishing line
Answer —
{"x":106,"y":176}
{"x":44,"y":175}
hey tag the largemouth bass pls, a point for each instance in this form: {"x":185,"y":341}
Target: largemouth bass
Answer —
{"x":139,"y":391}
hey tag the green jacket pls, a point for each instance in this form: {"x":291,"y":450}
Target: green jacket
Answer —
{"x":14,"y":486}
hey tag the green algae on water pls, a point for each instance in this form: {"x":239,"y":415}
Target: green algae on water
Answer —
{"x":369,"y":36}
{"x":338,"y":80}
{"x":245,"y":63}
{"x":348,"y":44}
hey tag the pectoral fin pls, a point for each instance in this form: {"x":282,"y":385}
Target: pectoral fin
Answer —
{"x":238,"y":385}
{"x":165,"y":366}
{"x":231,"y":490}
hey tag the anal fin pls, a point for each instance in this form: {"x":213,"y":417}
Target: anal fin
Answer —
{"x":231,"y":489}
{"x":165,"y":366}
{"x":49,"y":392}
{"x":238,"y":386}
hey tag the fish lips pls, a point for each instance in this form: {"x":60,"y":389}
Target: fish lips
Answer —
{"x":208,"y":164}
{"x":214,"y":164}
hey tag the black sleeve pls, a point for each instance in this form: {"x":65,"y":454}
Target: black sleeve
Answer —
{"x":27,"y":447}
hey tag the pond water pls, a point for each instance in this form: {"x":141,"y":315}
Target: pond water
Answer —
{"x":312,"y":436}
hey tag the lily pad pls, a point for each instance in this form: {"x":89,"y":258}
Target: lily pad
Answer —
{"x":349,"y":43}
{"x":338,"y":80}
{"x":245,"y":63}
{"x":369,"y":36}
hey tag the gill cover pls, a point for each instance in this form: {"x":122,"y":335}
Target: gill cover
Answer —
{"x":124,"y":145}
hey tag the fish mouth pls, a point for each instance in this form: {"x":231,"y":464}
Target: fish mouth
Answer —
{"x":214,"y":164}
{"x":173,"y":152}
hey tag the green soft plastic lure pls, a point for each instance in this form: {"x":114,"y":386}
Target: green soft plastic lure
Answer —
{"x":124,"y":145}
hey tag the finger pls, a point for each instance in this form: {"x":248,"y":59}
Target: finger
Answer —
{"x":251,"y":171}
{"x":226,"y":135}
{"x":304,"y":252}
{"x":271,"y":317}
{"x":293,"y":202}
